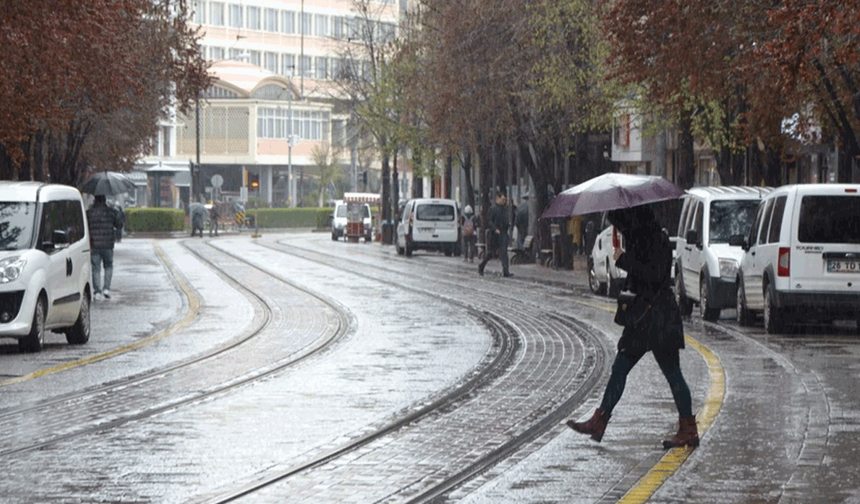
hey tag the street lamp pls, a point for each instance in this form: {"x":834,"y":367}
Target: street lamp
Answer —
{"x":290,"y":141}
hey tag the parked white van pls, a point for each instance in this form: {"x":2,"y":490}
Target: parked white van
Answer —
{"x":428,"y":224}
{"x":802,"y":259}
{"x":706,"y":266}
{"x":45,"y":270}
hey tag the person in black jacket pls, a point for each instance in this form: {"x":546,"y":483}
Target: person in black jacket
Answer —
{"x":497,"y":241}
{"x":648,"y":262}
{"x":103,"y":222}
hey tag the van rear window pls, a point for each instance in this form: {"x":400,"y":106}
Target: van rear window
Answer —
{"x":435,"y":212}
{"x":829,"y":219}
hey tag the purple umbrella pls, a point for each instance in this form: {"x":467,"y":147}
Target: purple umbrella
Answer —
{"x":611,"y":191}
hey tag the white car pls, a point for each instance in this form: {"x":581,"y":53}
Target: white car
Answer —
{"x":45,"y":270}
{"x":428,"y":224}
{"x":603,"y":276}
{"x":706,"y":264}
{"x":802,"y":257}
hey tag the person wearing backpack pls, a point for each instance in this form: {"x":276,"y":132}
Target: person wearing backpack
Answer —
{"x":470,"y":234}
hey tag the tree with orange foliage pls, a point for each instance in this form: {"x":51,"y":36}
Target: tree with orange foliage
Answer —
{"x":75,"y":72}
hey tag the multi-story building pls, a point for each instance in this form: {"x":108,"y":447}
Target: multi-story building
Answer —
{"x":274,"y":105}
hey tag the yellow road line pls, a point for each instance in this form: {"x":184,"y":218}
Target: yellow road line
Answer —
{"x":193,"y":310}
{"x":648,"y":484}
{"x":672,"y":460}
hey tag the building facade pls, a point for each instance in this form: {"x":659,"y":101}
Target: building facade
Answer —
{"x":273,"y":112}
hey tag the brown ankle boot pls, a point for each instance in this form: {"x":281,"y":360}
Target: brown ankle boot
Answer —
{"x":688,"y":433}
{"x":594,"y":426}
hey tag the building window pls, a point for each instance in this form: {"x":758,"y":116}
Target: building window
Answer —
{"x":254,"y":18}
{"x":271,"y":62}
{"x":336,"y":68}
{"x":198,"y":12}
{"x":236,"y":20}
{"x":216,"y":53}
{"x":270,"y":20}
{"x":321,"y":26}
{"x":216,"y":13}
{"x":322,"y":68}
{"x":288,"y":64}
{"x":306,"y":24}
{"x":307,"y":66}
{"x":337,"y":28}
{"x":255,"y":58}
{"x":237,"y":54}
{"x":165,"y":140}
{"x":288,"y":22}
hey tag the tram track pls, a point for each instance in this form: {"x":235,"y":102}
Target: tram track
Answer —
{"x":127,"y":394}
{"x":506,"y":332}
{"x":505,"y":318}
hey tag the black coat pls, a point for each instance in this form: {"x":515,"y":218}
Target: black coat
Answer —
{"x":497,"y":220}
{"x":648,"y":263}
{"x":103,"y":221}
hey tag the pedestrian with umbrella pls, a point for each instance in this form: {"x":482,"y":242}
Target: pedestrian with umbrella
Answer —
{"x":656,"y":324}
{"x":104,"y":222}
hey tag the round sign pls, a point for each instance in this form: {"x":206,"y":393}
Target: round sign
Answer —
{"x":217,"y":180}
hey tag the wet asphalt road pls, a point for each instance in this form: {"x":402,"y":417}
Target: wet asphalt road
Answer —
{"x":786,"y":431}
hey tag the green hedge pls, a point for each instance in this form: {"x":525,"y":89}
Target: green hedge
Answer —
{"x":144,"y":220}
{"x":170,"y":219}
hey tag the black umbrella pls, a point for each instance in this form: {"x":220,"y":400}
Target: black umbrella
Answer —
{"x":611,"y":191}
{"x":107,"y":184}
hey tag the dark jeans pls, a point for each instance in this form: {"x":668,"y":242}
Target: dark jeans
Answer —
{"x":470,"y":247}
{"x":501,"y":248}
{"x":669,"y":362}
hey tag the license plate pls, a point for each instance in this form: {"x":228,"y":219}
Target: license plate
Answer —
{"x":426,"y":230}
{"x":843,"y":266}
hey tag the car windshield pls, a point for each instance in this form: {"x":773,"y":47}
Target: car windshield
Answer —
{"x":17,"y":220}
{"x":731,"y":217}
{"x":435,"y":212}
{"x":829,"y":219}
{"x":341,"y":211}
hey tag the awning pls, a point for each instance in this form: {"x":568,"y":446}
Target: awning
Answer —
{"x":352,"y":197}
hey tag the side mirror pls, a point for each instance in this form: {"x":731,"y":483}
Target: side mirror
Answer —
{"x":693,"y":237}
{"x":739,"y":241}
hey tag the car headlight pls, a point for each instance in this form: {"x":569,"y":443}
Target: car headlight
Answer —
{"x":728,"y":269}
{"x":10,"y":269}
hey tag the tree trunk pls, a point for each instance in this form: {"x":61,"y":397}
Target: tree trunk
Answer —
{"x":686,"y":156}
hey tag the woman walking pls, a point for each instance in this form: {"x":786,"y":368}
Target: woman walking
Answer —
{"x":648,"y":262}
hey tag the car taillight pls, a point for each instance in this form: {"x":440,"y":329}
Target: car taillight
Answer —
{"x":782,"y":265}
{"x":616,"y":241}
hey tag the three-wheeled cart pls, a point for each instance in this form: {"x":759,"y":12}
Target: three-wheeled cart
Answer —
{"x":359,"y":223}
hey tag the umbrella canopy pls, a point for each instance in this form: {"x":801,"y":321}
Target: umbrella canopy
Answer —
{"x":107,"y":184}
{"x":611,"y":191}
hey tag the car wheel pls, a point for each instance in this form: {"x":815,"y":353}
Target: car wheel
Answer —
{"x":744,"y":315}
{"x":705,"y":301}
{"x":772,"y":322}
{"x":79,"y":333}
{"x":681,"y":297}
{"x":408,"y":249}
{"x":593,"y":282}
{"x":449,"y":250}
{"x":333,"y":236}
{"x":33,"y":342}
